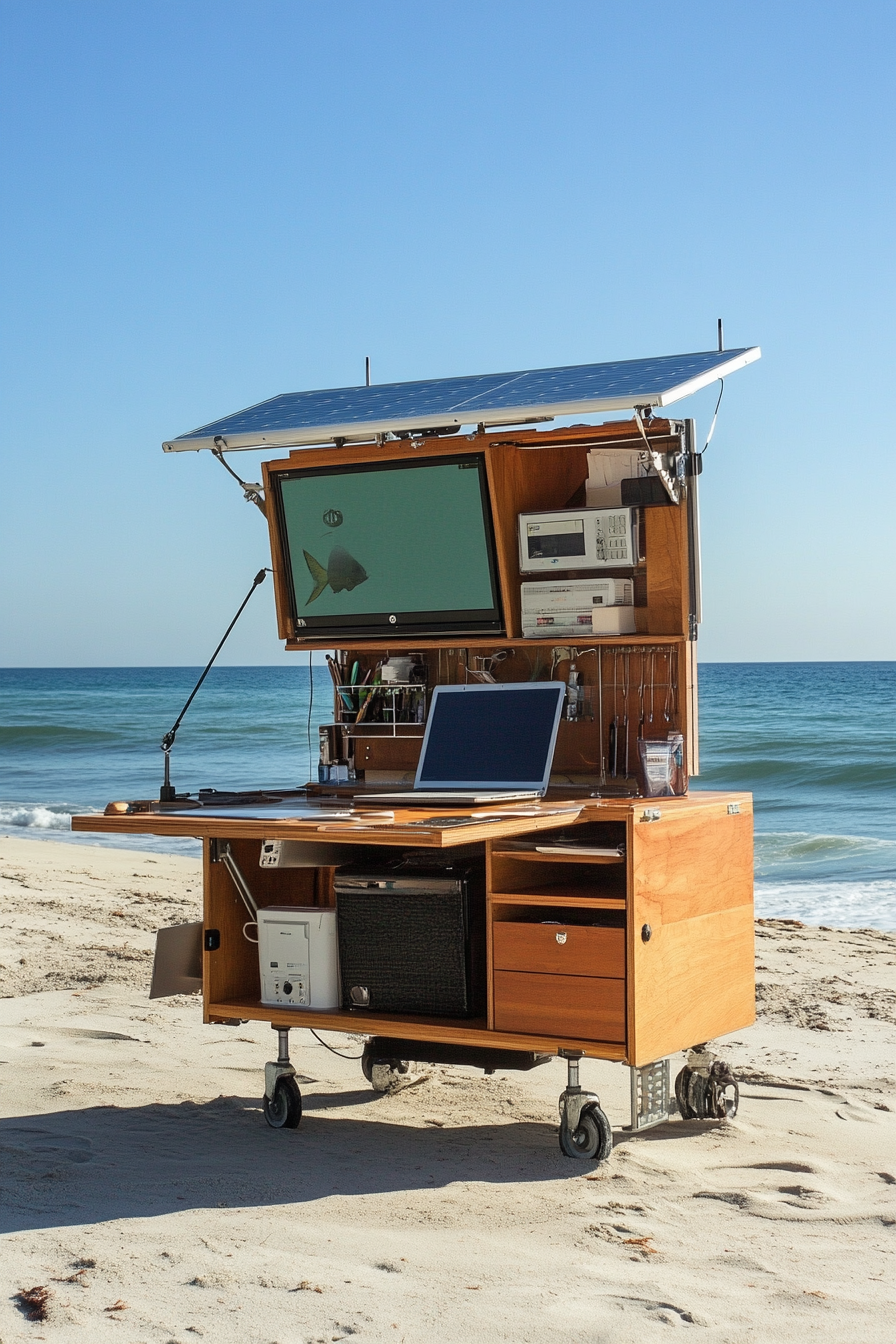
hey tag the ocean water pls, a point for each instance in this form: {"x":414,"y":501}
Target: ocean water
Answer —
{"x":813,"y":742}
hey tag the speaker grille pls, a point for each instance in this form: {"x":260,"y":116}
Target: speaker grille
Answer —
{"x":409,"y":951}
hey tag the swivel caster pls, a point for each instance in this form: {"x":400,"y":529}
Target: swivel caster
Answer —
{"x":585,"y":1131}
{"x":284,"y":1109}
{"x":591,"y":1138}
{"x":381,"y":1071}
{"x":282,"y":1103}
{"x":706,"y":1089}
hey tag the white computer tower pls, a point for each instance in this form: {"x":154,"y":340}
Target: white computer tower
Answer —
{"x":298,"y":957}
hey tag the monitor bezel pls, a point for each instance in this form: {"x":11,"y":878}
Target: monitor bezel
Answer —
{"x":393,"y":624}
{"x":507,"y":687}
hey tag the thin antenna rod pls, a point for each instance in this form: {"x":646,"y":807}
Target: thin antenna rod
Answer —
{"x":721,"y":336}
{"x":367,"y":369}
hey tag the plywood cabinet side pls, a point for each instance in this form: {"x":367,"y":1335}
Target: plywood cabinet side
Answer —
{"x":666,"y":543}
{"x":691,"y":957}
{"x":693,"y":982}
{"x":692,"y":863}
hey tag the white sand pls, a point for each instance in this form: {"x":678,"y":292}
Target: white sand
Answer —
{"x":137,"y":1173}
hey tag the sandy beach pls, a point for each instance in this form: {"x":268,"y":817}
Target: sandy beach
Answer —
{"x":142,"y":1188}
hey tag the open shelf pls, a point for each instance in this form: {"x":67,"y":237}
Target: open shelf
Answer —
{"x":531,"y":856}
{"x":447,"y":1030}
{"x":481,"y":642}
{"x":551,"y":895}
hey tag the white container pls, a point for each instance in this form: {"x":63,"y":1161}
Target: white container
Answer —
{"x":297,"y":957}
{"x":566,"y":607}
{"x":396,"y":669}
{"x":612,"y":620}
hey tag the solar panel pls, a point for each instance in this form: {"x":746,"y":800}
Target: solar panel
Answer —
{"x":297,"y":419}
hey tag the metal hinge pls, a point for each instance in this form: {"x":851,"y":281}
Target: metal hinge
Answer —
{"x":651,"y":814}
{"x":733,"y":809}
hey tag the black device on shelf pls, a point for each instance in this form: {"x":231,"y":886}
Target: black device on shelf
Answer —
{"x":412,"y":938}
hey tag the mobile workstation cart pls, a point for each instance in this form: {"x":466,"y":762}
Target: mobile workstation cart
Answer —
{"x":629,"y":948}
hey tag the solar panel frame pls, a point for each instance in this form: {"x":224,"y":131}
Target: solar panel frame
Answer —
{"x":302,"y":419}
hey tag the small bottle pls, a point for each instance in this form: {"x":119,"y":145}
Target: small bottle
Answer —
{"x":573,"y":694}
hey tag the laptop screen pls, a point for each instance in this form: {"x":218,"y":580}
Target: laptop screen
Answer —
{"x":494,"y":737}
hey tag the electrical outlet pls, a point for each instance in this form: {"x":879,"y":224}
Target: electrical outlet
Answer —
{"x":561,"y":654}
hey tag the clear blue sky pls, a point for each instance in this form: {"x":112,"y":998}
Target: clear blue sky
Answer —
{"x":210,"y":203}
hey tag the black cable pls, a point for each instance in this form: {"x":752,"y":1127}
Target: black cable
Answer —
{"x":330,"y":1048}
{"x":249,"y":489}
{"x":168,"y":740}
{"x":310,"y":707}
{"x":715,"y":416}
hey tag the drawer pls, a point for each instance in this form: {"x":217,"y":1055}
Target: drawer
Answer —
{"x":564,"y":949}
{"x":578,"y":1007}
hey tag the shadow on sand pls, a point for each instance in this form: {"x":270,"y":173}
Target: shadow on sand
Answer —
{"x":81,"y":1166}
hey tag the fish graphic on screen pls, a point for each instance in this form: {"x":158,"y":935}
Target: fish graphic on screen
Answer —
{"x":342,"y":571}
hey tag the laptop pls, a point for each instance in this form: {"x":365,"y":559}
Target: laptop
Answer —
{"x":486,"y":744}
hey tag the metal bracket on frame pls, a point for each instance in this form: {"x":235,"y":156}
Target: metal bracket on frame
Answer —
{"x":652,"y":1099}
{"x":668,"y":466}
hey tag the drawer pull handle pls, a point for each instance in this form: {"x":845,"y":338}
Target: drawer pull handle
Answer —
{"x":646,"y":933}
{"x":561,"y":937}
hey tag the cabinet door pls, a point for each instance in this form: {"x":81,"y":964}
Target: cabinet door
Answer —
{"x":691,"y":956}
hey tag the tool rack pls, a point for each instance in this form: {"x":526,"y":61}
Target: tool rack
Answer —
{"x":628,"y":958}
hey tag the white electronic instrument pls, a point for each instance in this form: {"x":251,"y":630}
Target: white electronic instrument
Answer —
{"x":577,"y":607}
{"x":297,"y":957}
{"x":578,"y":539}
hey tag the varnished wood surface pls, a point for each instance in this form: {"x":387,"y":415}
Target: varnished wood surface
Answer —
{"x":558,"y":1005}
{"x":691,"y":882}
{"x":449,"y":1031}
{"x":590,"y":902}
{"x":687,"y":874}
{"x":206,"y":826}
{"x":478,"y":642}
{"x":689,"y":867}
{"x":692,"y":982}
{"x":203,"y":824}
{"x":531,"y":856}
{"x":558,"y":949}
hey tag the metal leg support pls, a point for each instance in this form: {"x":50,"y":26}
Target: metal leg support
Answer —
{"x":573,"y":1100}
{"x":281,"y":1067}
{"x":651,"y":1094}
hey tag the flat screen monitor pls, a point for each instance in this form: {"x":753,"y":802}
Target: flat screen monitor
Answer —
{"x":389,"y":548}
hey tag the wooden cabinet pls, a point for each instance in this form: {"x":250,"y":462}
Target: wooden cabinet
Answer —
{"x":632,"y":954}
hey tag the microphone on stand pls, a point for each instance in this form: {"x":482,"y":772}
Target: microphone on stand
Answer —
{"x":167,"y":792}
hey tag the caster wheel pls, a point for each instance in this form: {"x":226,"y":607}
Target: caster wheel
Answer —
{"x":381,"y":1072}
{"x":721,"y":1094}
{"x":715,"y":1097}
{"x":683,"y":1094}
{"x":285,"y":1111}
{"x":592,"y":1138}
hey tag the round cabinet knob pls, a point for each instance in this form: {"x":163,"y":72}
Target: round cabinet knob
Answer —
{"x":646,"y":933}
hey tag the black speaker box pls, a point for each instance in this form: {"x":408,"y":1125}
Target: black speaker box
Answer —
{"x":415,"y":945}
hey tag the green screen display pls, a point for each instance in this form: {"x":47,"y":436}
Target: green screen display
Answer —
{"x":377,"y":540}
